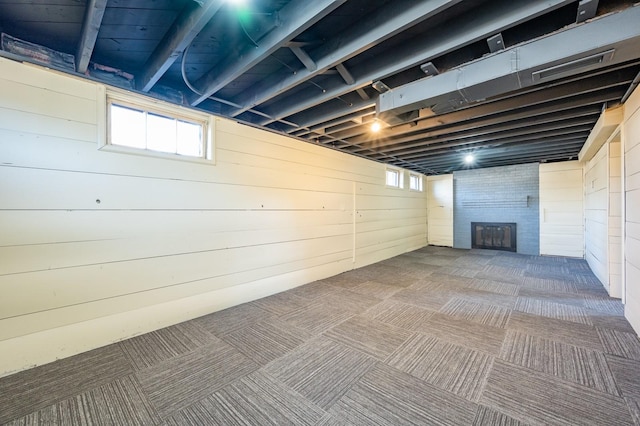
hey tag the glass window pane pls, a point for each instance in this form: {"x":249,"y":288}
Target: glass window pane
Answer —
{"x":392,"y":178}
{"x":189,"y":139}
{"x":127,"y":127}
{"x":161,"y":133}
{"x":415,"y":182}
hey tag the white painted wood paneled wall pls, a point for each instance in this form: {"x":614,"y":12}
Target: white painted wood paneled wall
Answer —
{"x":440,"y":210}
{"x":615,"y":217}
{"x":596,"y":179}
{"x":561,"y":209}
{"x":631,"y":143}
{"x":168,"y":240}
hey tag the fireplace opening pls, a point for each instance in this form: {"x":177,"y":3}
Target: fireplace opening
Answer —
{"x":493,"y":236}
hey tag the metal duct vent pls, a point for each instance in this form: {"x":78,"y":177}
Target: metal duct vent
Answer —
{"x":570,"y":68}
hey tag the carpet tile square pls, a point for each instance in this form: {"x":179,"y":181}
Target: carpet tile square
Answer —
{"x":374,"y":338}
{"x":317,"y":317}
{"x":266,"y":340}
{"x":584,"y":366}
{"x":37,"y":388}
{"x":408,"y":317}
{"x":450,"y":367}
{"x":322,"y":370}
{"x":177,"y":383}
{"x":494,"y":316}
{"x":537,"y":398}
{"x":151,"y":348}
{"x":466,"y":333}
{"x":572,"y":333}
{"x":256,"y":399}
{"x":386,"y":396}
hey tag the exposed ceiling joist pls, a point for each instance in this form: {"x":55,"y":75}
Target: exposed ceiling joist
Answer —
{"x":476,"y":25}
{"x":355,"y":116}
{"x":186,"y":27}
{"x":329,"y":112}
{"x":525,"y":119}
{"x":383,"y":24}
{"x":294,"y":18}
{"x":517,"y":147}
{"x":514,"y":136}
{"x":345,"y":74}
{"x":364,"y":95}
{"x":588,"y":91}
{"x":94,"y":13}
{"x":491,"y":156}
{"x":304,"y":57}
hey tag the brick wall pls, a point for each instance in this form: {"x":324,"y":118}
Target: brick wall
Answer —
{"x":498,"y":194}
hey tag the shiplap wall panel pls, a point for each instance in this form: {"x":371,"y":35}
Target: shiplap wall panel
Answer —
{"x":308,"y":267}
{"x":32,"y":75}
{"x":51,"y":227}
{"x":615,"y":219}
{"x":36,"y":257}
{"x":244,"y":140}
{"x":47,"y":126}
{"x":271,"y":214}
{"x":561,"y":209}
{"x":631,"y":143}
{"x":51,"y":289}
{"x":19,"y":97}
{"x":27,"y":349}
{"x":596,"y":179}
{"x":36,"y":151}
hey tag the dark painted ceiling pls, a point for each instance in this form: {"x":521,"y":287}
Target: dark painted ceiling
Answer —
{"x":316,"y":70}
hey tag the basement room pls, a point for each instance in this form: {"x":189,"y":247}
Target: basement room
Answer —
{"x":327,"y":212}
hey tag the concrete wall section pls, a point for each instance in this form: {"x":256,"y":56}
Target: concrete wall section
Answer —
{"x":498,"y":194}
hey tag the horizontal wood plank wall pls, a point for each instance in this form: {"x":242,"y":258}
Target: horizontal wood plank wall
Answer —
{"x":596,"y":179}
{"x":561,"y":209}
{"x":615,"y":219}
{"x":168,"y":240}
{"x":631,"y":142}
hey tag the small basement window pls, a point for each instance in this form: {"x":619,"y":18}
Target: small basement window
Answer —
{"x":395,"y":178}
{"x":415,"y":182}
{"x":153,"y":128}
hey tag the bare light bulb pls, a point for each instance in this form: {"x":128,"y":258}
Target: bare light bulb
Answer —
{"x":469,"y":158}
{"x":375,"y":127}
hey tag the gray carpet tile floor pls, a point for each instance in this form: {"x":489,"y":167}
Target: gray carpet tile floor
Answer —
{"x":437,"y":336}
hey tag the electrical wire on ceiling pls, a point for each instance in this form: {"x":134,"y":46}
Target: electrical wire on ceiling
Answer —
{"x":184,"y":74}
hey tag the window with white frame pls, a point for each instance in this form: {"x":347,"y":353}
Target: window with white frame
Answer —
{"x":140,"y":126}
{"x":415,"y":182}
{"x":395,"y":178}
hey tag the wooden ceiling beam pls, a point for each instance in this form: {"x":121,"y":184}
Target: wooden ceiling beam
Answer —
{"x":94,"y":13}
{"x":478,"y":24}
{"x":294,"y":18}
{"x":186,"y":27}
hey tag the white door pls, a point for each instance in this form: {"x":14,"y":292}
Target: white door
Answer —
{"x":440,"y":210}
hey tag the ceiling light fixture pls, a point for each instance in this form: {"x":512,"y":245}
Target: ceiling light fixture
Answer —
{"x":469,"y":159}
{"x":375,"y":126}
